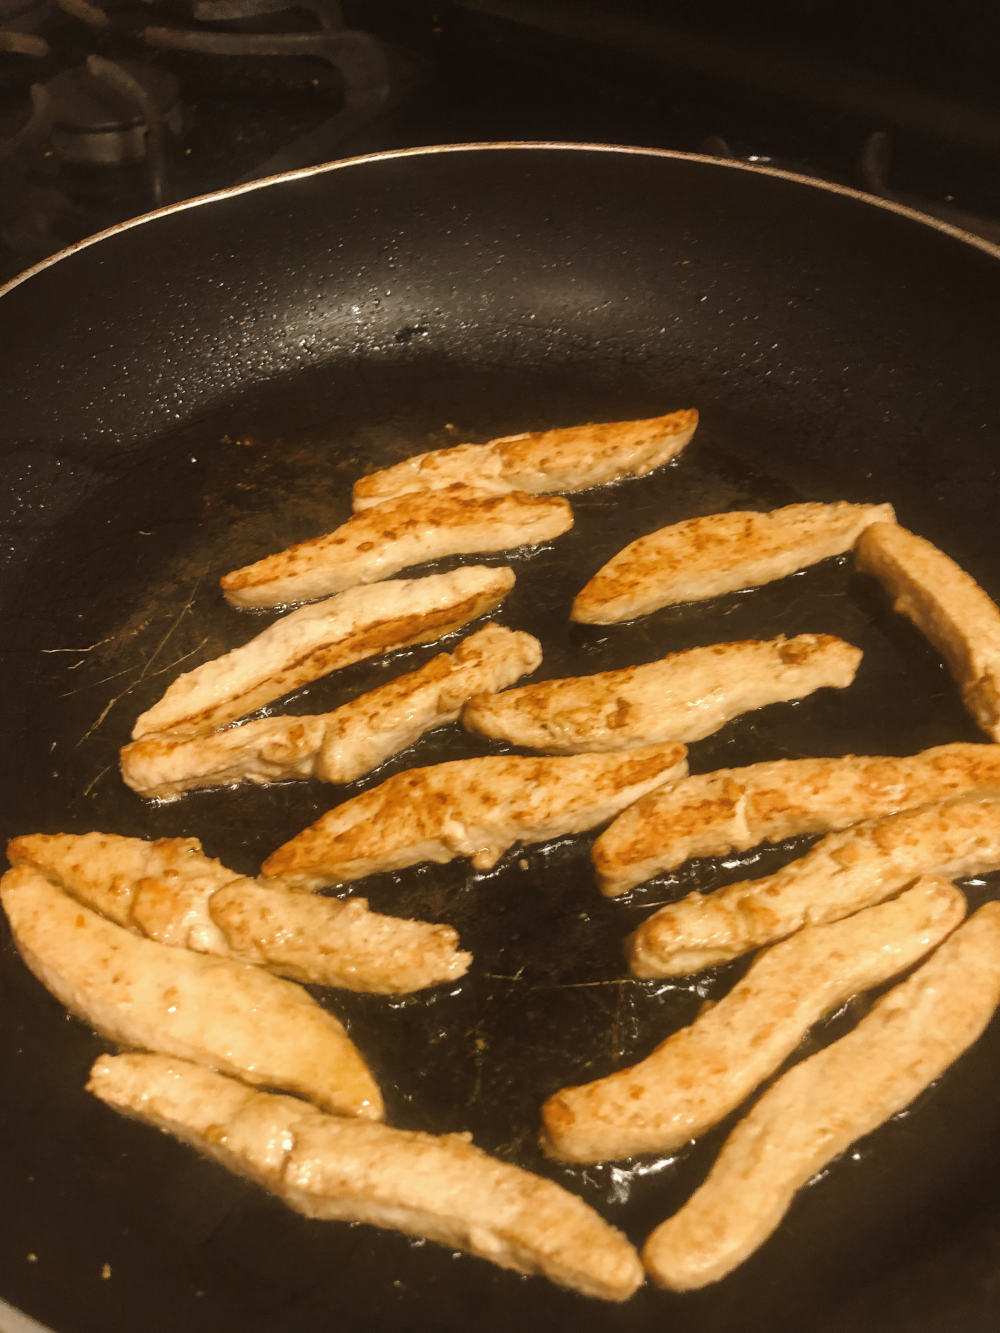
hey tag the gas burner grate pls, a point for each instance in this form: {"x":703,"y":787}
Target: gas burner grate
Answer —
{"x":112,"y":112}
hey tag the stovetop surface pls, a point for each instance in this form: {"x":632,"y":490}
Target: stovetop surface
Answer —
{"x":467,"y":73}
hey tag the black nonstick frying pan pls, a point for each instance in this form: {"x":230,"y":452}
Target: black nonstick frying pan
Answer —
{"x":193,"y":391}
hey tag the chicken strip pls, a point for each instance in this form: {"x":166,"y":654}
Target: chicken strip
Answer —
{"x":683,"y":697}
{"x":701,"y":1073}
{"x":320,"y":638}
{"x":103,"y":869}
{"x":334,"y":943}
{"x":343,"y":745}
{"x":842,"y":873}
{"x":469,"y":807}
{"x":719,"y":553}
{"x":569,"y":459}
{"x":826,"y":1103}
{"x":948,"y":606}
{"x":733,"y":809}
{"x":171,"y":892}
{"x":213,"y":1011}
{"x":441,"y":1187}
{"x":408,"y":530}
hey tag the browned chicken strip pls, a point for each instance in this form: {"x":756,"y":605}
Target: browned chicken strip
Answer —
{"x":701,"y":1073}
{"x":173,"y":893}
{"x":318,"y":639}
{"x":343,"y":745}
{"x":214,"y":1011}
{"x":104,"y":870}
{"x":823,"y":1105}
{"x":733,"y":809}
{"x":841,"y":874}
{"x":948,"y":606}
{"x":469,"y":807}
{"x":331,"y":1168}
{"x":569,"y":459}
{"x":719,"y":553}
{"x":682,"y":697}
{"x":408,"y":530}
{"x":334,"y":943}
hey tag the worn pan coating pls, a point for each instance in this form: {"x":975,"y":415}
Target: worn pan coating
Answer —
{"x":185,"y":394}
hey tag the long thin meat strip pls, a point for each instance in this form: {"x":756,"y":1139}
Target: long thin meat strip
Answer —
{"x":409,"y":530}
{"x":469,"y":807}
{"x":330,"y":942}
{"x":701,"y":1073}
{"x":733,"y":809}
{"x":441,"y":1187}
{"x":843,"y":872}
{"x":345,"y":744}
{"x":683,"y":697}
{"x":214,"y":1011}
{"x":826,"y":1103}
{"x":719,"y":553}
{"x":948,"y":606}
{"x":320,"y":638}
{"x":571,"y":458}
{"x":171,"y":892}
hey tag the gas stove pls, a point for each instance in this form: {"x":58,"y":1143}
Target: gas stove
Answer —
{"x":110,"y":109}
{"x":106,"y":113}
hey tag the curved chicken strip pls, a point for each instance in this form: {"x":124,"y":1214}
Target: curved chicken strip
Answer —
{"x":823,"y":1105}
{"x":701,"y":1073}
{"x":469,"y":807}
{"x":171,"y":892}
{"x":733,"y":809}
{"x":948,"y":606}
{"x":318,"y":639}
{"x":408,"y":530}
{"x":719,"y":553}
{"x":682,"y":697}
{"x":440,"y":1187}
{"x":345,"y":744}
{"x":213,"y":1011}
{"x":841,"y":874}
{"x":569,"y":459}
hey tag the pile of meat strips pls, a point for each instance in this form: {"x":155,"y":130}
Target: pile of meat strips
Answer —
{"x":199,"y":973}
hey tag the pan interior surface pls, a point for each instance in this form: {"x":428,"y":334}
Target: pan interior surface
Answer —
{"x":191,"y":393}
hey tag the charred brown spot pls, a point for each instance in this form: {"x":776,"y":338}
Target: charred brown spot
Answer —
{"x":620,"y":715}
{"x":797,"y":651}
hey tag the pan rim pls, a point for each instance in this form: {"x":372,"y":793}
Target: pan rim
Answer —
{"x":527,"y":145}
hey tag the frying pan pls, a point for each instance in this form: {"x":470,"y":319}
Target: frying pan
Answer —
{"x":190,"y":391}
